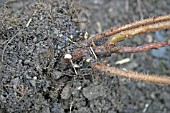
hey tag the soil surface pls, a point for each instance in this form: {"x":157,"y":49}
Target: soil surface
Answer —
{"x":35,"y":78}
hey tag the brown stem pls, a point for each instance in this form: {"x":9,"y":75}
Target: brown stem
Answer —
{"x":139,"y":30}
{"x":142,"y":48}
{"x":102,"y":50}
{"x":119,"y":29}
{"x":99,"y":50}
{"x":132,"y":75}
{"x":79,"y":53}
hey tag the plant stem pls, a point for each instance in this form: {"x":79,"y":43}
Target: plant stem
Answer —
{"x":102,"y":50}
{"x":133,"y":75}
{"x":142,"y":48}
{"x":119,"y":29}
{"x":139,"y":30}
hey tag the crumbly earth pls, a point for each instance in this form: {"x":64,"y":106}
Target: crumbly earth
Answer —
{"x":35,"y":78}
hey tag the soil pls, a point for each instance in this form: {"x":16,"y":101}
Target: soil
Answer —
{"x":36,"y":79}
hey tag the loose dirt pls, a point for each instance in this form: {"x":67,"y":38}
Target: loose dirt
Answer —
{"x":35,"y":78}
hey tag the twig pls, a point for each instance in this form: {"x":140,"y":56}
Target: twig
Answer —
{"x":30,"y":19}
{"x":119,"y":29}
{"x":93,"y":52}
{"x":73,"y":67}
{"x":133,"y":75}
{"x":28,"y":22}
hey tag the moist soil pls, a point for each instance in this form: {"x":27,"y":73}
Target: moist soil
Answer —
{"x":35,"y":78}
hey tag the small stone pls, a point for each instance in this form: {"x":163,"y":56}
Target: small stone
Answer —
{"x":35,"y":78}
{"x":56,"y":74}
{"x":66,"y":92}
{"x":28,"y":77}
{"x":35,"y":39}
{"x":56,"y":31}
{"x":92,"y":92}
{"x":15,"y":81}
{"x":55,"y":108}
{"x":46,"y":110}
{"x":79,"y":88}
{"x":27,"y":61}
{"x":33,"y":83}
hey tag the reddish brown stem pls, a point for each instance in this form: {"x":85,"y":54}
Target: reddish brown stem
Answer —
{"x":133,"y":75}
{"x":142,"y":48}
{"x":99,"y":50}
{"x":79,"y":53}
{"x":119,"y":29}
{"x":102,"y":50}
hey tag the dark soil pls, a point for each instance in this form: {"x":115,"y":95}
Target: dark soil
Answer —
{"x":35,"y":78}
